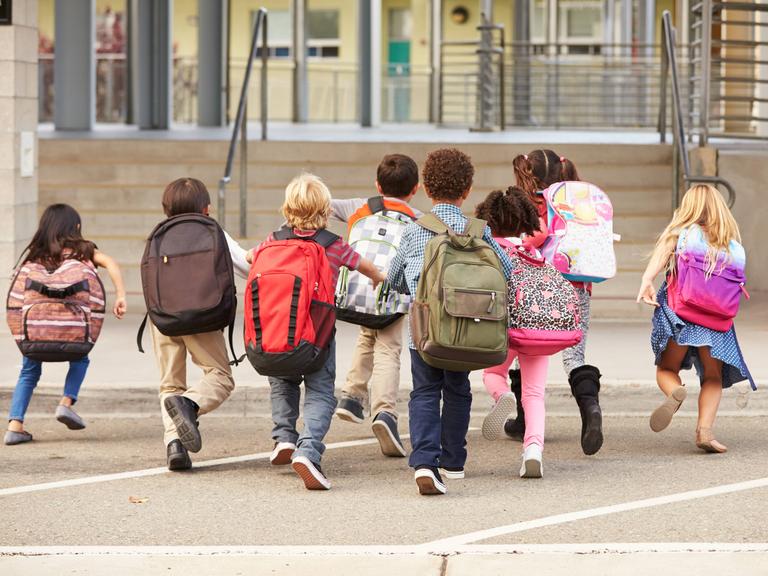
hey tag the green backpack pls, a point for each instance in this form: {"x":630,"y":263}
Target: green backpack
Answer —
{"x":459,"y":315}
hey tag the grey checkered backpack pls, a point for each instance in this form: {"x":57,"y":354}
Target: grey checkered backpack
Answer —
{"x":375,"y":231}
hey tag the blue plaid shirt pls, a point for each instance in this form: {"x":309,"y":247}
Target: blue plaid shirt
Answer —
{"x":405,"y":269}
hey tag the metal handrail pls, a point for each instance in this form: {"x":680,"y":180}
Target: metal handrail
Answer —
{"x":240,"y":127}
{"x":680,"y":149}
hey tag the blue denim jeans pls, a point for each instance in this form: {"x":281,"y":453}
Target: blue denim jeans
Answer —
{"x":438,"y":439}
{"x":319,"y":405}
{"x":30,"y":376}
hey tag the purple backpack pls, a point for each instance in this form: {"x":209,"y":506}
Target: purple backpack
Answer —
{"x":711,"y":300}
{"x":543,"y":306}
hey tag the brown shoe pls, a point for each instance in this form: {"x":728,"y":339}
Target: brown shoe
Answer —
{"x":705,"y":440}
{"x":662,"y":416}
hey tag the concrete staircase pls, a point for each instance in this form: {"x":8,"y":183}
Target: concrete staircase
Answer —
{"x":117,"y":186}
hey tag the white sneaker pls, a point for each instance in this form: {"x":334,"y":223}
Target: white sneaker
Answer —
{"x":493,"y":424}
{"x":452,"y":473}
{"x":281,"y":455}
{"x":429,"y":482}
{"x":532,"y":466}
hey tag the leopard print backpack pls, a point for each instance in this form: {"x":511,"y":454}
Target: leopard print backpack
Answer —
{"x":543,"y":306}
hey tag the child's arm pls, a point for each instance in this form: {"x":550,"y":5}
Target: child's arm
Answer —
{"x":101,"y":259}
{"x":239,"y":256}
{"x":341,"y":210}
{"x":368,"y":268}
{"x":506,"y":263}
{"x":658,"y":262}
{"x":396,"y":272}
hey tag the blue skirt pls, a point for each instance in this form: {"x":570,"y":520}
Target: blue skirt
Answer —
{"x":723,"y":345}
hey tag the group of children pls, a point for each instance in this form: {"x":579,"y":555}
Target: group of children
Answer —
{"x":440,"y":402}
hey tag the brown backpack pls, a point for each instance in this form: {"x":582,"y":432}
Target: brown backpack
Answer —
{"x":188,"y":277}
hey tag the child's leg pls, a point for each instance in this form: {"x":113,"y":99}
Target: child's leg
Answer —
{"x":209,"y":352}
{"x":319,"y":404}
{"x":424,"y":413}
{"x":711,"y":388}
{"x":495,"y":378}
{"x":668,"y":370}
{"x":534,"y":375}
{"x":454,"y":422}
{"x":74,"y":380}
{"x":385,"y":380}
{"x":668,"y":379}
{"x":356,"y":385}
{"x":285,"y":394}
{"x":171,"y":354}
{"x":22,"y":394}
{"x":575,"y":357}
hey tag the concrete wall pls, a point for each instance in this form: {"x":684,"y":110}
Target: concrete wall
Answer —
{"x":747,"y":171}
{"x":18,"y":116}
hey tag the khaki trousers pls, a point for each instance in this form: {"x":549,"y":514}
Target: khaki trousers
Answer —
{"x":376,"y":359}
{"x":209,"y":352}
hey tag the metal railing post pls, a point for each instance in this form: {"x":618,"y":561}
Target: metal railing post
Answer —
{"x":502,"y":86}
{"x":244,"y":172}
{"x":663,"y":94}
{"x":706,"y":69}
{"x":263,"y":112}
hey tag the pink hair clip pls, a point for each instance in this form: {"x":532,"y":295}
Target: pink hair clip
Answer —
{"x":525,"y":156}
{"x":562,"y":159}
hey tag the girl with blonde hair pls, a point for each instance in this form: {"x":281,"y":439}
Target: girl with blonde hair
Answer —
{"x":702,"y":225}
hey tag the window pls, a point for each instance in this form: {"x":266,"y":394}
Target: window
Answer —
{"x":322,"y":33}
{"x":581,"y":21}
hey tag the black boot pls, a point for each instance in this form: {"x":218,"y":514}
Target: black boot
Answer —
{"x":178,"y":457}
{"x":515,"y":427}
{"x":585,"y":386}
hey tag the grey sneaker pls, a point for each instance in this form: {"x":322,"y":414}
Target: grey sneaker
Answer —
{"x":350,"y":410}
{"x":385,"y":428}
{"x":493,"y":423}
{"x":13,"y":438}
{"x":69,"y":418}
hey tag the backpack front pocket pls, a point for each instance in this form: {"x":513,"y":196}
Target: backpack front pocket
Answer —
{"x":55,"y":321}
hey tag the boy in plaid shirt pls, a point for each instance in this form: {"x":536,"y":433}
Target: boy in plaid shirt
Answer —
{"x":376,"y":359}
{"x":438,"y":437}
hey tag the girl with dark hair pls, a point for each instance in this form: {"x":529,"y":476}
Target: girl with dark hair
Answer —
{"x":510,"y":215}
{"x":535,"y":172}
{"x":59,"y":238}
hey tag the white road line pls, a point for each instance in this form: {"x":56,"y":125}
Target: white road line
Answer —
{"x":379,"y":550}
{"x":162,"y":470}
{"x":454,"y":541}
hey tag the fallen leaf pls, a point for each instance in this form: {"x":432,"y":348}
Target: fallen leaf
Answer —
{"x":138,"y":499}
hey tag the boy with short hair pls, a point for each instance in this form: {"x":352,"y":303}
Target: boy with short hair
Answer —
{"x":306,"y":209}
{"x":438,"y":439}
{"x":376,"y":359}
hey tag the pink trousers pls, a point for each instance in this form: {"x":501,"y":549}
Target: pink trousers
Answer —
{"x":534,"y":377}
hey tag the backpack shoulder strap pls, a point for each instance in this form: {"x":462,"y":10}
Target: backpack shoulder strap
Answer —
{"x":140,"y":333}
{"x":432,"y":223}
{"x":285,"y":233}
{"x":475,"y":227}
{"x":324,"y":237}
{"x":376,"y":204}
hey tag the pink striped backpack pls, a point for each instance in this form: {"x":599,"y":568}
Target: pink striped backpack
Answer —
{"x":543,"y":306}
{"x":56,"y":316}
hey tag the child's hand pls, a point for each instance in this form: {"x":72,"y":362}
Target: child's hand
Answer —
{"x":249,"y":256}
{"x":647,"y":293}
{"x":120,"y":308}
{"x":378,"y":279}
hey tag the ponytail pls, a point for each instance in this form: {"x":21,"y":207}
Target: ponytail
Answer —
{"x":524,"y":176}
{"x":568,"y":170}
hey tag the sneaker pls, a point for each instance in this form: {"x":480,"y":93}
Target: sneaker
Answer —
{"x":662,"y":416}
{"x":452,"y":473}
{"x":311,"y":474}
{"x":183,"y":412}
{"x":493,"y":424}
{"x":514,"y":428}
{"x":532,"y":466}
{"x":177,"y":456}
{"x":429,"y":481}
{"x":12,"y":438}
{"x":350,"y":410}
{"x":282,"y":454}
{"x":385,"y":428}
{"x":69,"y":417}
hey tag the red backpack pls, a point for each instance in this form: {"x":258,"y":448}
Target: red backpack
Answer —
{"x":289,"y":304}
